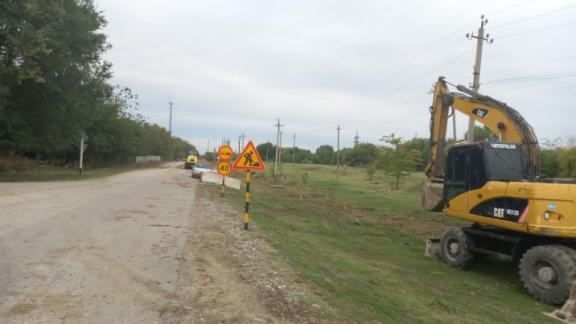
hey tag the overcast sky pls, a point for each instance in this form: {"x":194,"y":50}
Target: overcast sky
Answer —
{"x":236,"y":66}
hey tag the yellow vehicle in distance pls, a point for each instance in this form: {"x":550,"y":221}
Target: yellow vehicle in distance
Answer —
{"x":190,"y":161}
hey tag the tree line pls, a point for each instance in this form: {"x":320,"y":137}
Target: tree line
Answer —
{"x":54,"y":84}
{"x":559,"y":161}
{"x":397,"y":157}
{"x":394,"y":157}
{"x":362,"y":154}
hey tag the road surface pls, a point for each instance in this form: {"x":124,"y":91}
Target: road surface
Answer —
{"x":148,"y":246}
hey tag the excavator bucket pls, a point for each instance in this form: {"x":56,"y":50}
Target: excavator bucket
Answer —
{"x":433,"y":196}
{"x":567,"y":313}
{"x":432,"y":249}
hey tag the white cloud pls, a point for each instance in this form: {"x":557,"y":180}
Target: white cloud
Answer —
{"x":233,"y":67}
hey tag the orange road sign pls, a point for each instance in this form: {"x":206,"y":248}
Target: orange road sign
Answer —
{"x":224,"y":168}
{"x":225,"y":152}
{"x":249,"y":159}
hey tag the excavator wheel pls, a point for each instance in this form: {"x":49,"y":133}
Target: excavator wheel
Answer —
{"x":455,"y":248}
{"x":548,"y":272}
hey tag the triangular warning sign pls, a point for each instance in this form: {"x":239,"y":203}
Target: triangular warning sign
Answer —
{"x":249,"y":159}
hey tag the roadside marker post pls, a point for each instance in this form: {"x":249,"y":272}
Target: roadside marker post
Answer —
{"x":224,"y":167}
{"x":248,"y":160}
{"x":222,"y":187}
{"x":246,"y":218}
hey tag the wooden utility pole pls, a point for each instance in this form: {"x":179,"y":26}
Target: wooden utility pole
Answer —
{"x":480,"y":39}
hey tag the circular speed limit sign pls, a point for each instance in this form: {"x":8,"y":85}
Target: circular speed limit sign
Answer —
{"x":225,"y":153}
{"x":224,"y":168}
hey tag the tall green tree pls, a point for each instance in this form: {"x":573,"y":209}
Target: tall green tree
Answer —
{"x":54,"y":84}
{"x":421,"y":145}
{"x":361,"y":154}
{"x":325,"y":155}
{"x":267,"y":151}
{"x":550,"y":165}
{"x":52,"y":75}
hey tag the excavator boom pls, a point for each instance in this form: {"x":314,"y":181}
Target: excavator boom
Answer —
{"x":505,"y":122}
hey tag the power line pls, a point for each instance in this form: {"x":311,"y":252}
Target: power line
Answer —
{"x":509,"y":7}
{"x":458,"y":57}
{"x":532,"y":76}
{"x":505,"y":36}
{"x":534,"y":17}
{"x":405,"y":65}
{"x":538,"y":29}
{"x":529,"y":78}
{"x":424,"y":54}
{"x":523,"y":85}
{"x":539,"y":62}
{"x":427,"y":52}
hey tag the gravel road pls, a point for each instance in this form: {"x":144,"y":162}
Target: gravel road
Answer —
{"x":148,"y":246}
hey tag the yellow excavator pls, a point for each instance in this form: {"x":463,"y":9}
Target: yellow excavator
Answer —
{"x":496,"y":186}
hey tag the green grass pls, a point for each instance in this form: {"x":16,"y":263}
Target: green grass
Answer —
{"x":360,"y":247}
{"x":49,"y":173}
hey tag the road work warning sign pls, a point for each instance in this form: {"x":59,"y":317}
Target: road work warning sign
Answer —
{"x":249,"y":159}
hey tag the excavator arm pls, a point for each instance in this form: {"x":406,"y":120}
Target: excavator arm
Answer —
{"x":505,"y":122}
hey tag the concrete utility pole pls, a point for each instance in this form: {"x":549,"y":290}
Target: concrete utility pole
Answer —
{"x":242,"y":136}
{"x":294,"y":148}
{"x":239,"y":147}
{"x":480,"y":39}
{"x":338,"y":151}
{"x":278,"y":125}
{"x":170,"y":121}
{"x":280,"y":153}
{"x":170,"y":131}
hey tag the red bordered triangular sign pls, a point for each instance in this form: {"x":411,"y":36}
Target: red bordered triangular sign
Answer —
{"x":249,"y":159}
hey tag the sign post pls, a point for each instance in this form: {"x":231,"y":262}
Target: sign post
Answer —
{"x":83,"y":147}
{"x":248,"y":160}
{"x":224,"y":167}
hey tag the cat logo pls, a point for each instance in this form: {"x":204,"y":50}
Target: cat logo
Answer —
{"x":480,"y":112}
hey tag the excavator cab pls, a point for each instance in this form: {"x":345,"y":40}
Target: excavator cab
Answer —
{"x":470,"y":166}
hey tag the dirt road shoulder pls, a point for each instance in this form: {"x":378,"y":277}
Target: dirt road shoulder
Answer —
{"x":226,"y":274}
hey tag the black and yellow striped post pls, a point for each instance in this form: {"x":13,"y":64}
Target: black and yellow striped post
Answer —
{"x":222,"y":187}
{"x":247,"y":198}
